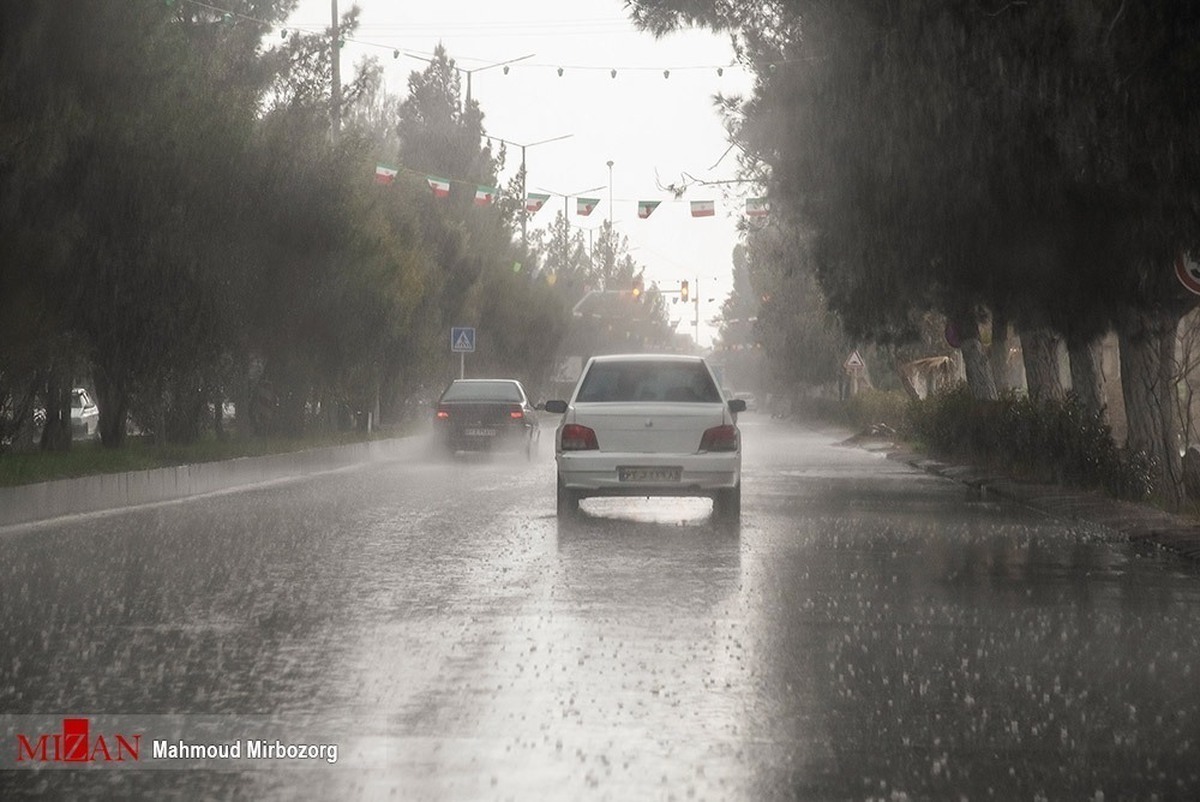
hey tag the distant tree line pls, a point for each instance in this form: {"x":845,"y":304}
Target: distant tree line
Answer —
{"x":182,"y":229}
{"x":1000,"y":163}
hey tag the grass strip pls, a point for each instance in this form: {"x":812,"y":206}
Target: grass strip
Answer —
{"x":89,"y":458}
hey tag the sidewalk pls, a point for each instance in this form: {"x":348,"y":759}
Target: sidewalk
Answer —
{"x":1136,"y":522}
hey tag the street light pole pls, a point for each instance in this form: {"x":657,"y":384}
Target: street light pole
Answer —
{"x":566,"y":196}
{"x":524,"y":190}
{"x":477,"y":69}
{"x":612,"y":240}
{"x":610,"y":185}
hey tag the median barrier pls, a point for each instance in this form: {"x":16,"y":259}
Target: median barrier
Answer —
{"x":110,"y":491}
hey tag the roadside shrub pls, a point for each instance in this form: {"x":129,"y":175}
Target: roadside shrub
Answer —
{"x":952,"y":422}
{"x":1057,"y":441}
{"x":872,"y":407}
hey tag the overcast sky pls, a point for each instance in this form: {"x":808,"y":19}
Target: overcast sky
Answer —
{"x":654,"y":129}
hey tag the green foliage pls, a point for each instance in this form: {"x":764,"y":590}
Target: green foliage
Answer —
{"x":868,"y":410}
{"x":802,"y":338}
{"x":181,"y":228}
{"x":890,"y":408}
{"x":1049,"y":440}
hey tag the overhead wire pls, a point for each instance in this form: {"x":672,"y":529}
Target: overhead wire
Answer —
{"x":310,"y":28}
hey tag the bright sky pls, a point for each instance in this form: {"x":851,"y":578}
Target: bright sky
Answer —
{"x":653,"y":129}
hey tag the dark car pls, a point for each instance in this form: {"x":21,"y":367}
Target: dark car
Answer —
{"x":486,"y":415}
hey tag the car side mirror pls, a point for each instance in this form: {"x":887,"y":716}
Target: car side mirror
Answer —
{"x":737,"y":405}
{"x":557,"y":407}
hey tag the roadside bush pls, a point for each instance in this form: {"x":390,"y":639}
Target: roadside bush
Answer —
{"x":868,"y":408}
{"x":872,"y":407}
{"x":1056,"y":441}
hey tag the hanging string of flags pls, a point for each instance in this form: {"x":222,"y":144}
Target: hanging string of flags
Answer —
{"x":534,"y":201}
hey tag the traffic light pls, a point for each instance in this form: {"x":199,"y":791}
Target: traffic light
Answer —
{"x":637,"y":287}
{"x":683,"y":292}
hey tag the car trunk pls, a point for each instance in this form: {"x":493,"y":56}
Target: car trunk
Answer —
{"x":649,"y":428}
{"x":472,"y":414}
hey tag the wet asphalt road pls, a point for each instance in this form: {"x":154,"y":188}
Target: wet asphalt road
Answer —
{"x":867,"y":633}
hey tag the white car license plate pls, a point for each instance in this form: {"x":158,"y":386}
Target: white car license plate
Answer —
{"x":480,"y":432}
{"x":631,"y":474}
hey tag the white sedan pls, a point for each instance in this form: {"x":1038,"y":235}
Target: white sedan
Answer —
{"x":648,"y":425}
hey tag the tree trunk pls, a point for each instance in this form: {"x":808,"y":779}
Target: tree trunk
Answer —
{"x":979,"y":371}
{"x":998,"y":356}
{"x":1087,"y":376}
{"x":56,"y":432}
{"x":112,"y":398}
{"x":905,"y":379}
{"x":1147,"y":370}
{"x":1039,"y":352}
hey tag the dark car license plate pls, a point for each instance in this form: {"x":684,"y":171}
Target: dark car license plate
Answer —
{"x":479,"y":432}
{"x":635,"y":474}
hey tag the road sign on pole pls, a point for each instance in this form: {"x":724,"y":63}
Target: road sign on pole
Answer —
{"x":462,"y":342}
{"x":1188,"y":273}
{"x":462,"y":339}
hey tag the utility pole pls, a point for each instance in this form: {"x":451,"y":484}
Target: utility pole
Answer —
{"x":335,"y":57}
{"x":696,"y":322}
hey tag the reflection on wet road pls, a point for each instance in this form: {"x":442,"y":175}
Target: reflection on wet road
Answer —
{"x":867,"y":633}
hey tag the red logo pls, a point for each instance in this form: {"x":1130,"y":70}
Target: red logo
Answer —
{"x":76,"y":744}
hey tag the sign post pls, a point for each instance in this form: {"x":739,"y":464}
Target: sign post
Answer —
{"x":462,"y":342}
{"x":854,"y":366}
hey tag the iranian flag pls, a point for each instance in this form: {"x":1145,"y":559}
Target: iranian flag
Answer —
{"x":584,"y":206}
{"x":440,"y":186}
{"x":646,"y":208}
{"x":385,"y":174}
{"x":703,"y":209}
{"x":534,"y":202}
{"x":484,"y":195}
{"x":757,"y":207}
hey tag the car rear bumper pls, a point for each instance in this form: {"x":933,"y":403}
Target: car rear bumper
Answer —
{"x":507,"y":437}
{"x":596,"y":473}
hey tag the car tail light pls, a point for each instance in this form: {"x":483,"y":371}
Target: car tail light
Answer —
{"x":578,"y":438}
{"x":720,"y":438}
{"x":517,"y":413}
{"x":443,"y":413}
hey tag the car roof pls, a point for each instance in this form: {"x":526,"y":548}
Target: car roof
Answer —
{"x":647,"y":358}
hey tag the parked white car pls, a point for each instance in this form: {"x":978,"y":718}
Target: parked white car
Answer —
{"x":85,"y":415}
{"x":648,"y":425}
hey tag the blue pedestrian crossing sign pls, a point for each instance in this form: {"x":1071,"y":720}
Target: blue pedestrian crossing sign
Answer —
{"x":462,"y":340}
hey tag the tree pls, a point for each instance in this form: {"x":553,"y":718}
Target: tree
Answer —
{"x":977,"y":161}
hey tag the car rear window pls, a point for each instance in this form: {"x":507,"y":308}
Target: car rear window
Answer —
{"x":688,"y":382}
{"x":483,"y":391}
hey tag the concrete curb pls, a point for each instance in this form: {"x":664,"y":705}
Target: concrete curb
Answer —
{"x":1136,"y":522}
{"x":38,"y":502}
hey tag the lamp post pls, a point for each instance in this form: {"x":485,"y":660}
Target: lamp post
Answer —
{"x":612,"y":240}
{"x":459,"y":69}
{"x":610,"y":164}
{"x":566,"y":196}
{"x":524,"y":192}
